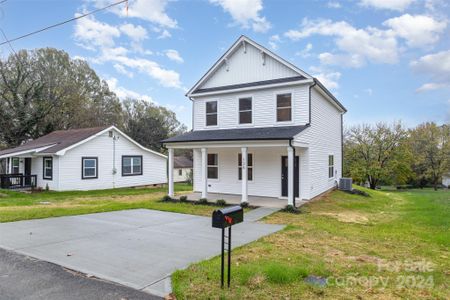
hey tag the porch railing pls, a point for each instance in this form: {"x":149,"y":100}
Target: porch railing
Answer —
{"x":17,"y":181}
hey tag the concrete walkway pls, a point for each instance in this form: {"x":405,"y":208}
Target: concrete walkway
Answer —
{"x":138,"y":248}
{"x":259,"y":213}
{"x":236,"y":199}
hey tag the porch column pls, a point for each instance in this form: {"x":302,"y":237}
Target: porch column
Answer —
{"x":204,"y":173}
{"x":244,"y":175}
{"x":171,"y":190}
{"x":290,"y":177}
{"x":9,"y":165}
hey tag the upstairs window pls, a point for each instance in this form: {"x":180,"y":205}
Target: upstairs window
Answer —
{"x":330,"y":166}
{"x":15,"y":163}
{"x":213,"y":166}
{"x":284,"y":107}
{"x":131,"y":165}
{"x":89,"y":167}
{"x":249,"y":166}
{"x":245,"y":110}
{"x":47,"y":168}
{"x":211,"y":113}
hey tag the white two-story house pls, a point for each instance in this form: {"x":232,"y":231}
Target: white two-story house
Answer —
{"x":262,"y":127}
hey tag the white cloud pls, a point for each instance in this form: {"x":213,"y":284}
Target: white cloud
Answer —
{"x":328,"y":78}
{"x":174,"y":55}
{"x":246,"y":13}
{"x":398,"y":5}
{"x":91,"y":33}
{"x":122,"y":70}
{"x":273,"y":41}
{"x":418,"y":30}
{"x":369,"y":91}
{"x":437,"y":66}
{"x":350,"y":60}
{"x":136,"y":33}
{"x":124,"y":93}
{"x":333,"y":4}
{"x":306,"y":52}
{"x":164,"y":34}
{"x":430,"y":87}
{"x":148,"y":10}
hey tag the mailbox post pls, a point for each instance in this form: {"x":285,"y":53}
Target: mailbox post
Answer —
{"x":224,"y":218}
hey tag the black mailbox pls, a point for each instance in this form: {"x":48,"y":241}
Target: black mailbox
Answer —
{"x":226,"y":217}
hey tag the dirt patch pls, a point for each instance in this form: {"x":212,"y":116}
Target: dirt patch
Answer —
{"x":3,"y":195}
{"x":346,"y":217}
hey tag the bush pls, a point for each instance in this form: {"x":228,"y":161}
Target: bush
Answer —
{"x":291,"y":209}
{"x":183,"y":198}
{"x":166,"y":198}
{"x":244,"y":204}
{"x":221,"y":202}
{"x":202,"y":201}
{"x":358,"y":192}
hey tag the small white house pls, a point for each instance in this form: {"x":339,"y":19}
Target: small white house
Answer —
{"x":262,"y":127}
{"x":82,"y":159}
{"x":182,"y":170}
{"x":446,"y":180}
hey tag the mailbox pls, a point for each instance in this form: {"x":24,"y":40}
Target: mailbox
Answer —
{"x":226,"y":217}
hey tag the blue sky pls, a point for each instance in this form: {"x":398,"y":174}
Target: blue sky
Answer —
{"x":385,"y":60}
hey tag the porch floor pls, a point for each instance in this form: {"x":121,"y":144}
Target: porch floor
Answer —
{"x":236,"y":199}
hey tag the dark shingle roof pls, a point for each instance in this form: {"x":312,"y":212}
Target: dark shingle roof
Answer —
{"x":60,"y":139}
{"x":239,"y":134}
{"x":249,"y":84}
{"x":182,"y":162}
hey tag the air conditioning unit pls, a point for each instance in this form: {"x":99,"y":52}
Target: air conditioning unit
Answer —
{"x":345,"y":184}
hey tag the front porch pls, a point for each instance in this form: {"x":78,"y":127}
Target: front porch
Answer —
{"x":16,"y":173}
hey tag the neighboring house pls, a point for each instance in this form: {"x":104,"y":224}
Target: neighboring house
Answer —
{"x":182,"y":169}
{"x":82,"y":159}
{"x":262,"y":127}
{"x":446,"y":180}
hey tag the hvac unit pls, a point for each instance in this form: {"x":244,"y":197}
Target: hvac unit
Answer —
{"x":345,"y":184}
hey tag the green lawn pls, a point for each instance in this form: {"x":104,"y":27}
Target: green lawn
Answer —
{"x":392,"y":245}
{"x":16,"y":206}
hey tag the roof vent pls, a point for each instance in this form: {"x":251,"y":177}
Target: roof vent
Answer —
{"x":111,"y":133}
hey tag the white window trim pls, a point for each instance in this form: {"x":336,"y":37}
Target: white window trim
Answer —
{"x":218,"y":169}
{"x":45,"y":168}
{"x":292,"y":106}
{"x":251,"y":124}
{"x":84,"y":159}
{"x":217,"y":113}
{"x":334,"y":166}
{"x":132,"y":158}
{"x":12,"y":165}
{"x":253,"y":167}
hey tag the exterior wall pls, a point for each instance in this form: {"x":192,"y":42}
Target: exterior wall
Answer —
{"x":264,"y":108}
{"x":184,"y":174}
{"x":154,"y":166}
{"x":37,"y":169}
{"x":247,"y":66}
{"x":323,"y":138}
{"x":446,"y":181}
{"x":266,"y":171}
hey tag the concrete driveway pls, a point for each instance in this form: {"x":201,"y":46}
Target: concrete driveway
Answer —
{"x":138,"y":248}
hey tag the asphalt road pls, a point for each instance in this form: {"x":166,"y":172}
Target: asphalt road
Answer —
{"x":26,"y":278}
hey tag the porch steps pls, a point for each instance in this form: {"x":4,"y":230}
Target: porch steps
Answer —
{"x":259,"y":213}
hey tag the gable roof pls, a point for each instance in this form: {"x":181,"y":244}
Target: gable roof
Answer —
{"x":239,"y":134}
{"x":58,"y":142}
{"x":242,"y":40}
{"x":182,"y":162}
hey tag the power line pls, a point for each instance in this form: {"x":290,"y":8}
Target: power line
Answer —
{"x":62,"y":23}
{"x":6,"y":39}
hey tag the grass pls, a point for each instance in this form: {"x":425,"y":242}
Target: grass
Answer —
{"x":391,"y":245}
{"x":15,"y":206}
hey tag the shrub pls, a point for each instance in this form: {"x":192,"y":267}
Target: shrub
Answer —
{"x":183,"y":198}
{"x":46,"y":187}
{"x":221,"y":202}
{"x":202,"y":201}
{"x":166,"y":198}
{"x":244,"y":204}
{"x":291,"y":209}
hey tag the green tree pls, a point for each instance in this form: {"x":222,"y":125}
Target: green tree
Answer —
{"x":377,"y":154}
{"x":430,"y":145}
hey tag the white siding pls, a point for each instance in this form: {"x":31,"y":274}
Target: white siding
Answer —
{"x":37,"y":169}
{"x":264,"y":108}
{"x":154,"y":166}
{"x":446,"y":181}
{"x":266,"y":171}
{"x":244,"y":67}
{"x":324,"y":138}
{"x":184,"y":174}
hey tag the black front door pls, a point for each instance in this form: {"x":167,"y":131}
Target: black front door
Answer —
{"x":285,"y":175}
{"x":27,"y":171}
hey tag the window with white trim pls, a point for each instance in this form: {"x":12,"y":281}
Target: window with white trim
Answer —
{"x":249,"y":166}
{"x":211,"y":113}
{"x":213,"y":166}
{"x":245,"y":110}
{"x":330,"y":166}
{"x":180,"y":172}
{"x":131,"y":165}
{"x":15,"y":165}
{"x":47,"y":168}
{"x":89,"y":167}
{"x":284,"y":107}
